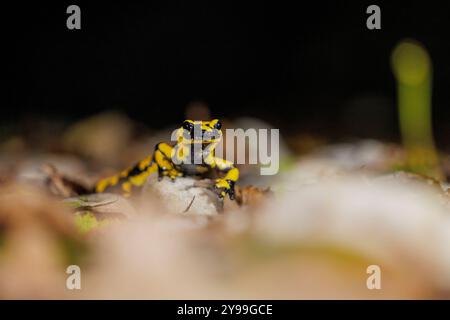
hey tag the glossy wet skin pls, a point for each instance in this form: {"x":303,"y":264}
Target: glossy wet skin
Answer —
{"x":204,"y":132}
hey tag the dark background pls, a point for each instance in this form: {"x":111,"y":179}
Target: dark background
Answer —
{"x":311,"y":67}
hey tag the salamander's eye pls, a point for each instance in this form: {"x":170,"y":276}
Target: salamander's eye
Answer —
{"x":188,"y":126}
{"x":218,"y":125}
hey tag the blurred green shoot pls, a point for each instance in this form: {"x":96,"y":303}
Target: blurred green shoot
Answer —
{"x":412,"y":68}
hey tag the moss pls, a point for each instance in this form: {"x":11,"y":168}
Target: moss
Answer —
{"x":87,"y":222}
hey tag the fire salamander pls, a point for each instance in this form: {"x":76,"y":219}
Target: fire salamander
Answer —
{"x":192,"y":154}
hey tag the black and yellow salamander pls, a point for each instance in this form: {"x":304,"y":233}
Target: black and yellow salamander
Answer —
{"x":192,"y":155}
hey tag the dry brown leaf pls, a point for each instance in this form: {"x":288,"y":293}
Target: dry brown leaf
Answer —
{"x":61,"y":185}
{"x":251,"y":195}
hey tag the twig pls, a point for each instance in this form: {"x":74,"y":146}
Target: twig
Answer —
{"x":190,"y":205}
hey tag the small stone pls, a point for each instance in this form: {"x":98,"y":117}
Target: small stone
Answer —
{"x":183,"y":196}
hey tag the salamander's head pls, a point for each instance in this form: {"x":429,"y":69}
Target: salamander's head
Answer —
{"x":201,"y":132}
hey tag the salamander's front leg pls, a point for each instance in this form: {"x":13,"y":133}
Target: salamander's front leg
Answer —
{"x":226,"y":184}
{"x":163,"y":159}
